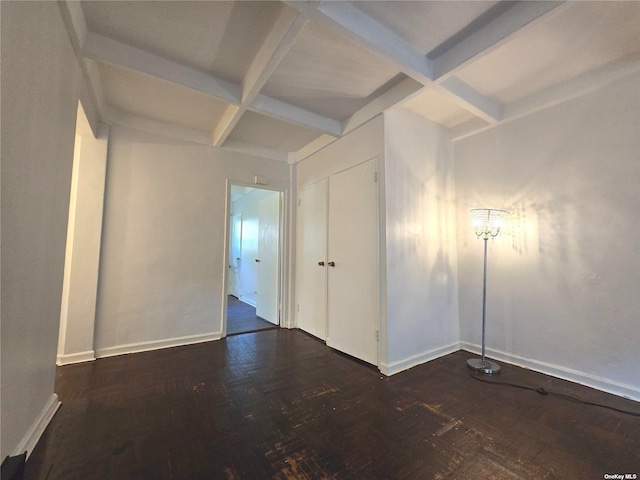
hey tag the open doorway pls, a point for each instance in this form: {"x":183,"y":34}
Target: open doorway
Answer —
{"x":254,"y":259}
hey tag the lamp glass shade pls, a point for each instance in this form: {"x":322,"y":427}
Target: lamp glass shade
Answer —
{"x":488,"y":221}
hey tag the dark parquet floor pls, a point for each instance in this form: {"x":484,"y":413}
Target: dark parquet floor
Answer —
{"x":279,"y":404}
{"x":242,"y":318}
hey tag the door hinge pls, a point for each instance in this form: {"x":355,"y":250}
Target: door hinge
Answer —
{"x":377,"y":335}
{"x":375,"y":176}
{"x":299,"y":201}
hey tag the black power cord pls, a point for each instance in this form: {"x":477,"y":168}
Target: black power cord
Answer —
{"x":542,"y":391}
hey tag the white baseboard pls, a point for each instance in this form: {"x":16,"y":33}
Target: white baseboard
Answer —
{"x":29,"y":441}
{"x":405,"y":364}
{"x":593,"y":381}
{"x":156,"y":344}
{"x":70,"y":358}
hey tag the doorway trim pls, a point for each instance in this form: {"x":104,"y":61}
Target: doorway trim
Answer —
{"x":281,"y":250}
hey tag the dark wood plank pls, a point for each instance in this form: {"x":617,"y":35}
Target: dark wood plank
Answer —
{"x":280,"y":404}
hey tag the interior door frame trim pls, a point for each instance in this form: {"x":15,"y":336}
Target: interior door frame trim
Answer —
{"x":227,"y":233}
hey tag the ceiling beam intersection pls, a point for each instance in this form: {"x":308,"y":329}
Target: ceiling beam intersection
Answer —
{"x":359,"y":28}
{"x":346,"y":20}
{"x":111,"y":51}
{"x":471,"y":100}
{"x":502,"y":23}
{"x":277,"y":43}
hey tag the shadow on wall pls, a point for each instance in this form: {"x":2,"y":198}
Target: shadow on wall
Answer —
{"x":569,"y":218}
{"x":427,"y":227}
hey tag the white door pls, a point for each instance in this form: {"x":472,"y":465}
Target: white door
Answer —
{"x":311,"y":259}
{"x":353,"y":262}
{"x":268,"y":258}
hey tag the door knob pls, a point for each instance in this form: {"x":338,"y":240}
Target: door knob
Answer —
{"x":257,"y":260}
{"x":332,"y":264}
{"x":321,"y":264}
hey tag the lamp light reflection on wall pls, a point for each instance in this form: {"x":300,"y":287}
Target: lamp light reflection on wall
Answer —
{"x":487,"y":223}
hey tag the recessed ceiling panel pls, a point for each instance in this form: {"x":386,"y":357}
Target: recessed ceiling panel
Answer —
{"x":159,"y":100}
{"x":218,"y":37}
{"x":272,"y":133}
{"x":583,"y":37}
{"x":326,"y":74}
{"x":425,"y":25}
{"x":437,"y":107}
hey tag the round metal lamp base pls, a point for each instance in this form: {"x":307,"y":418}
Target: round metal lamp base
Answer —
{"x":483,"y":367}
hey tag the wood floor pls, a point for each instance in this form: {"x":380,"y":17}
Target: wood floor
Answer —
{"x":242,"y":318}
{"x":280,"y":404}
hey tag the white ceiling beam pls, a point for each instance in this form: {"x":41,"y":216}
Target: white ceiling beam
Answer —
{"x":290,"y":113}
{"x":351,"y":23}
{"x":284,"y":33}
{"x":468,"y":129}
{"x":555,"y":95}
{"x":94,"y":83}
{"x":227,"y":123}
{"x":480,"y":105}
{"x":117,"y":53}
{"x":277,"y":43}
{"x":573,"y":88}
{"x":115,"y":116}
{"x":255,"y":150}
{"x":76,"y":24}
{"x":492,"y":34}
{"x":379,"y":104}
{"x":311,"y":148}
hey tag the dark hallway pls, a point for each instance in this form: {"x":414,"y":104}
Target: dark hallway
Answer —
{"x":242,"y":318}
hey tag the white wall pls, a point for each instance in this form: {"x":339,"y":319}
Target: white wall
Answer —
{"x":421,"y":267}
{"x":163,"y":249}
{"x":40,"y":88}
{"x":563,"y":285}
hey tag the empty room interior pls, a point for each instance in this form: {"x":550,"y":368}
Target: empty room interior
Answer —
{"x":423,"y":213}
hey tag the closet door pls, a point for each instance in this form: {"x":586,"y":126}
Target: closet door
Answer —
{"x":311,"y":260}
{"x":353,"y":262}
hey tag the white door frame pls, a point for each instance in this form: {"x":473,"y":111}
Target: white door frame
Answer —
{"x":227,"y":242}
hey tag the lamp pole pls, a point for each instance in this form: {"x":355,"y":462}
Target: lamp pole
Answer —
{"x":488,"y":223}
{"x":484,"y":299}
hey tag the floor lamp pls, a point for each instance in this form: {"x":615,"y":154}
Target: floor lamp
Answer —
{"x":488,"y":223}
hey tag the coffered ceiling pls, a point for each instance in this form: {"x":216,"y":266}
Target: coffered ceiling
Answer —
{"x":282,"y":79}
